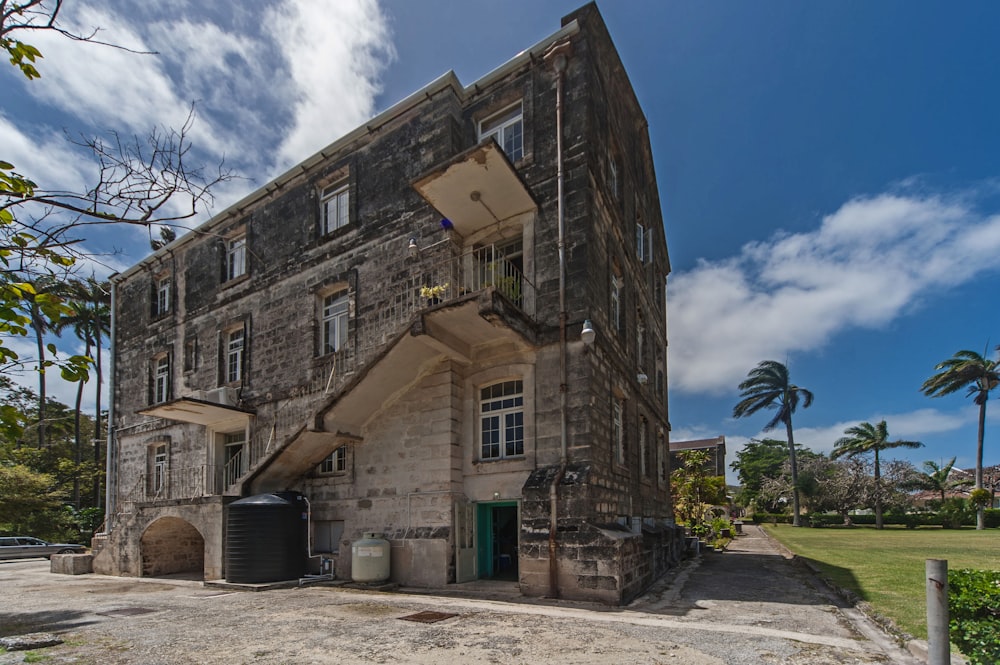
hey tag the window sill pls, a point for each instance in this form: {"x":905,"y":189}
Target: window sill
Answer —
{"x":235,"y":280}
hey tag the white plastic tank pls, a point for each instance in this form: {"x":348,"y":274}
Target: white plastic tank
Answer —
{"x":370,"y":558}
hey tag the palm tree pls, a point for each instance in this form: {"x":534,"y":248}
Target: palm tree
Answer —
{"x":935,"y":478}
{"x":38,"y":305}
{"x":89,"y":316}
{"x":866,"y":438}
{"x":978,"y":376}
{"x":767,"y":387}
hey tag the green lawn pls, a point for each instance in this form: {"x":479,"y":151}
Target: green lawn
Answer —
{"x":886,"y":567}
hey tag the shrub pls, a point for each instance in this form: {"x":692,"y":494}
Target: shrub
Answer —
{"x":974,"y":608}
{"x":955,"y":512}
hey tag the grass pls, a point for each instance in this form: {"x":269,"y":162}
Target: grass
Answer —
{"x":887,"y":568}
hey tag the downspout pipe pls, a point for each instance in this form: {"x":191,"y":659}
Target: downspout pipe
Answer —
{"x":110,"y":478}
{"x":559,"y":63}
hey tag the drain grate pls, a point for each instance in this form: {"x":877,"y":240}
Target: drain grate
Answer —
{"x":127,"y":612}
{"x":428,"y":617}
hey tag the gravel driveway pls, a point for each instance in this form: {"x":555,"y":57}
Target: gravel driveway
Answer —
{"x":748,"y":605}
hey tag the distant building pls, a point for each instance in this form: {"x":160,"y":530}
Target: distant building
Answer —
{"x":448,"y":327}
{"x":716,"y":448}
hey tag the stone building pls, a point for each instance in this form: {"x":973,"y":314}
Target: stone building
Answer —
{"x":716,"y":449}
{"x":447,"y":327}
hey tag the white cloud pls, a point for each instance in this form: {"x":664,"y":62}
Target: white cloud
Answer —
{"x":45,"y":157}
{"x":795,"y":291}
{"x":335,"y":52}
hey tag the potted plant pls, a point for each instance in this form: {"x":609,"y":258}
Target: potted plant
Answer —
{"x":433,"y":293}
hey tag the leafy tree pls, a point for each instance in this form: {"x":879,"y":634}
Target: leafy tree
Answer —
{"x":26,"y":498}
{"x":139,"y":181}
{"x":969,"y":371}
{"x":767,"y":386}
{"x":867,"y":438}
{"x":694,"y":488}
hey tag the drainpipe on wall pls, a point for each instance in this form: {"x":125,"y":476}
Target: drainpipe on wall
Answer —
{"x":558,"y":56}
{"x":110,"y":479}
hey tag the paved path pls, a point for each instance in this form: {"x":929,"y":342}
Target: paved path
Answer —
{"x":747,"y":606}
{"x":755,"y":588}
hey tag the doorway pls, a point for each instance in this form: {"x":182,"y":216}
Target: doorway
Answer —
{"x":497,"y":528}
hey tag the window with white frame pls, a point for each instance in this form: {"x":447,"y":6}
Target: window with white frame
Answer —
{"x":640,"y":241}
{"x":161,"y":379}
{"x":162,"y":295}
{"x":336,"y":462}
{"x":618,"y":429}
{"x":335,"y":205}
{"x":236,"y":257}
{"x":159,"y":471}
{"x":235,"y":344}
{"x":501,"y":417}
{"x":507,"y":127}
{"x":333,"y":323}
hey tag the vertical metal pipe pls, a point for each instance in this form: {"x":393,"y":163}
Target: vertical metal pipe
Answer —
{"x":559,"y":65}
{"x":938,"y":643}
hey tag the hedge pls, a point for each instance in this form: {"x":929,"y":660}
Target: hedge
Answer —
{"x":974,"y":610}
{"x":908,"y":519}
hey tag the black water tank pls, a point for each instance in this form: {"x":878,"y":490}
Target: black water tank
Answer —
{"x":266,"y":538}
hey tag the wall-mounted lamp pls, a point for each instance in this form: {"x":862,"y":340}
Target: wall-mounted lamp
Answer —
{"x":587,"y":335}
{"x":496,"y":496}
{"x":642,"y":378}
{"x":412,"y":248}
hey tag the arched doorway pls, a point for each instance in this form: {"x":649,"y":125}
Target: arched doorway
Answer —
{"x":172,"y":546}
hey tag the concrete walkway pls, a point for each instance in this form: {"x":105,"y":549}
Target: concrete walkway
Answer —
{"x":748,"y":606}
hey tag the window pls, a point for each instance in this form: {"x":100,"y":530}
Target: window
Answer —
{"x":501,"y":411}
{"x":236,"y":257}
{"x":191,"y":355}
{"x":334,"y":322}
{"x":613,"y":174}
{"x":234,"y":355}
{"x":507,"y":127}
{"x":616,"y":302}
{"x":335,"y":207}
{"x":661,"y":446}
{"x":336,"y":462}
{"x":640,"y":341}
{"x":161,"y":380}
{"x":645,"y":452}
{"x":162,"y":296}
{"x":618,"y":429}
{"x":159,"y":476}
{"x":640,"y":241}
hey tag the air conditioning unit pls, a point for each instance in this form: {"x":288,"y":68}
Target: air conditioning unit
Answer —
{"x":225,"y":396}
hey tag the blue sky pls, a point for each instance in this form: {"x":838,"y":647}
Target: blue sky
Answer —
{"x":829,"y":172}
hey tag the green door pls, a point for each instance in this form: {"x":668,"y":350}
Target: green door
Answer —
{"x":497,"y":528}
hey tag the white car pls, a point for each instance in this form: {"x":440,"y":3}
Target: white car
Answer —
{"x":23,"y":547}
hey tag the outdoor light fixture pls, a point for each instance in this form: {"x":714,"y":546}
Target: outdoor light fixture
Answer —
{"x":412,"y":248}
{"x":642,"y":378}
{"x":588,"y":334}
{"x":496,"y":496}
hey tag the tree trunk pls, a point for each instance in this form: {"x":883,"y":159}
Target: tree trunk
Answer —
{"x":878,"y":493}
{"x":795,"y":472}
{"x":77,"y":446}
{"x":38,"y":325}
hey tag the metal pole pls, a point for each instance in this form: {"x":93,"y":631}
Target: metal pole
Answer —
{"x":938,"y":643}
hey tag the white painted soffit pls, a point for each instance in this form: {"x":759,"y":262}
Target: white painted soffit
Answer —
{"x":199,"y":412}
{"x":476,"y":189}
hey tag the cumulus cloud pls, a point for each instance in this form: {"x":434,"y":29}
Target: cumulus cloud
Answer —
{"x":864,"y":266}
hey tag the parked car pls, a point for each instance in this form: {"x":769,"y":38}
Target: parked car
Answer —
{"x":23,"y":547}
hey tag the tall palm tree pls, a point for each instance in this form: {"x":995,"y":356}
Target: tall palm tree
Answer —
{"x":867,"y":438}
{"x":978,"y":376}
{"x":89,"y":317}
{"x":38,"y":306}
{"x":767,"y":387}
